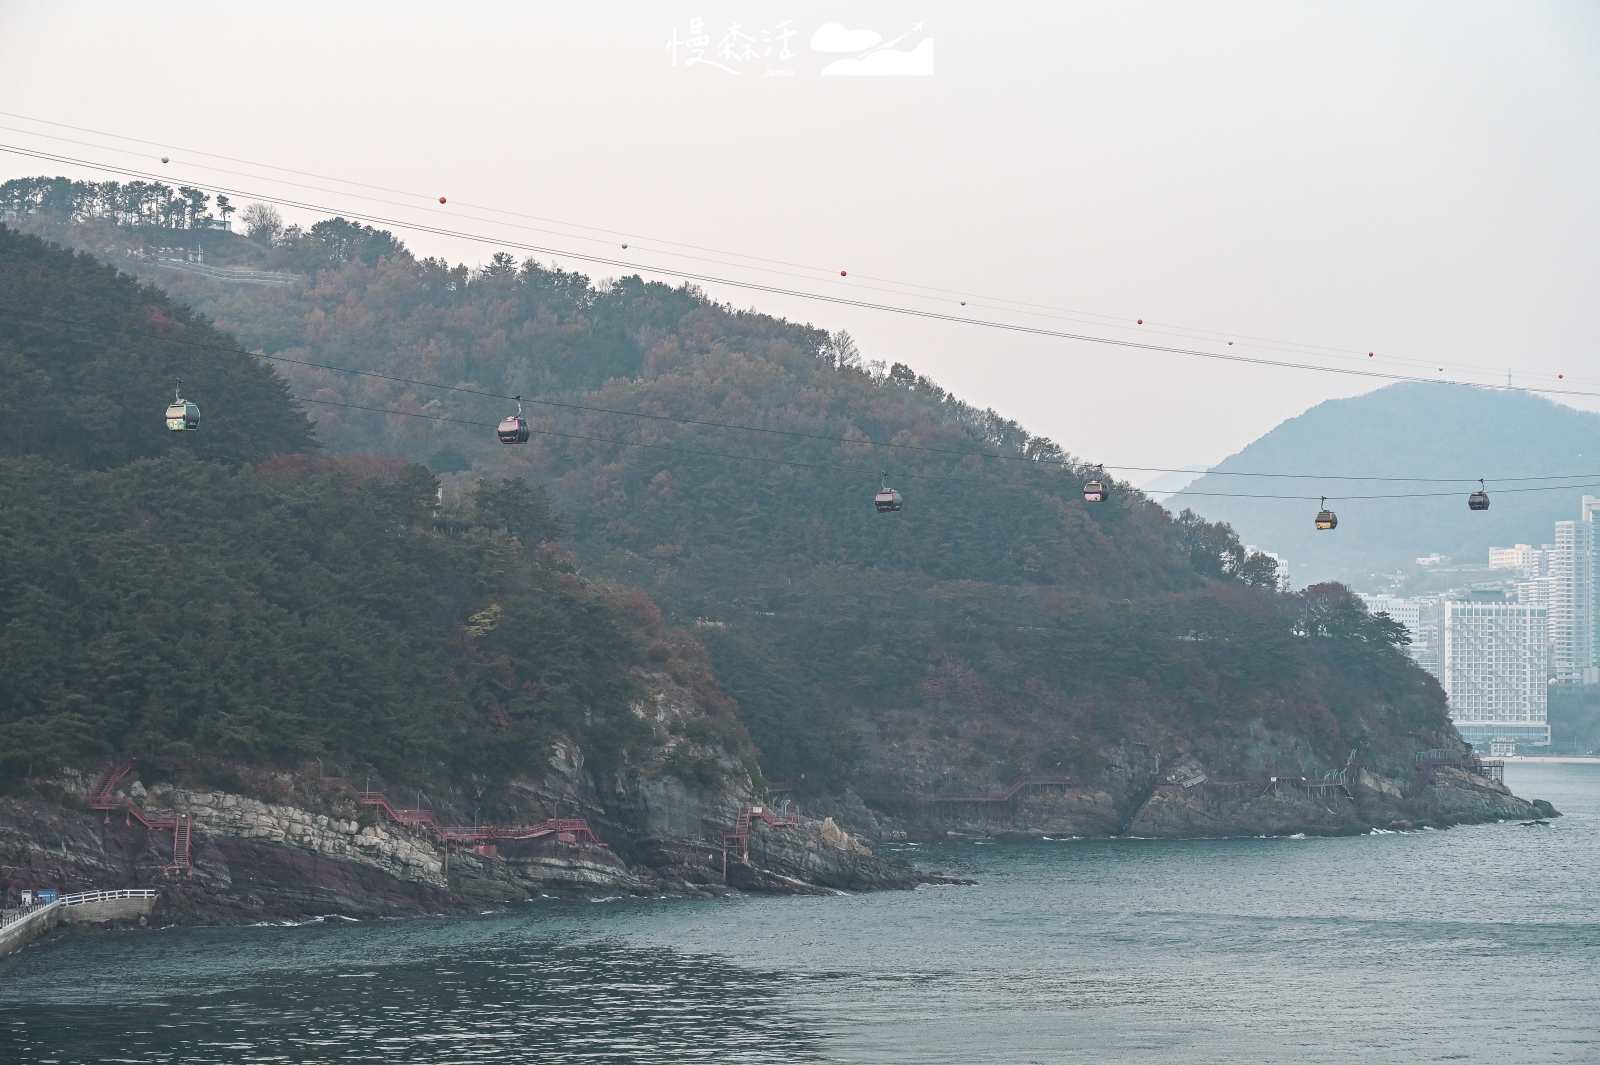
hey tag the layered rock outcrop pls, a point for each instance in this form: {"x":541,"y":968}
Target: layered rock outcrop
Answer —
{"x":1188,"y":804}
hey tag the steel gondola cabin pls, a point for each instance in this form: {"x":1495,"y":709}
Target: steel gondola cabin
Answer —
{"x":513,"y":428}
{"x":1478,"y":500}
{"x":1326,"y":519}
{"x":182,"y":415}
{"x":887,"y":501}
{"x":1094,"y":492}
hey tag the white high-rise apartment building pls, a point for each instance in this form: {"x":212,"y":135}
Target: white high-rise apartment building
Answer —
{"x":1495,"y":670}
{"x":1574,"y":595}
{"x":1407,"y":612}
{"x":1526,"y":559}
{"x":1421,"y":619}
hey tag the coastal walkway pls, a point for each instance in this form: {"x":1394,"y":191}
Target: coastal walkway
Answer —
{"x":564,"y":829}
{"x":1431,"y":761}
{"x":483,"y":837}
{"x":21,"y":926}
{"x":997,"y":801}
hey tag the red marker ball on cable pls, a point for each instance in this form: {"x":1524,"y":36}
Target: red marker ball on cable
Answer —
{"x":841,"y":273}
{"x":441,"y":199}
{"x":1141,"y":321}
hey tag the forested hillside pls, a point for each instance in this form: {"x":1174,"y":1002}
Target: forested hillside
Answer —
{"x":182,"y":610}
{"x":725,"y":461}
{"x":234,"y":601}
{"x":91,"y":359}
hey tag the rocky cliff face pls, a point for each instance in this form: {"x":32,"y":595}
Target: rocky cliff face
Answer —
{"x":1188,"y":804}
{"x":303,"y":846}
{"x":255,"y":860}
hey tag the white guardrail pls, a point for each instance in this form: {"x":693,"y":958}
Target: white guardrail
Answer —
{"x":224,"y":273}
{"x":22,"y":913}
{"x":106,"y":896}
{"x":11,"y":917}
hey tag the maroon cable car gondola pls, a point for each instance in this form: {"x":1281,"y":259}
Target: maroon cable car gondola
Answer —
{"x":1094,"y":492}
{"x":887,"y":501}
{"x":1478,"y":500}
{"x":513,"y":429}
{"x":1326,"y":519}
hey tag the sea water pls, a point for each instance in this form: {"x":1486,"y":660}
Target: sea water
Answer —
{"x":1475,"y":944}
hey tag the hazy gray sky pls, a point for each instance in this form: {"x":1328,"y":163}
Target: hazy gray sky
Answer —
{"x":1416,"y":180}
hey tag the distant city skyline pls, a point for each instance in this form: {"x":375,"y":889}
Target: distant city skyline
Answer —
{"x":1497,"y":645}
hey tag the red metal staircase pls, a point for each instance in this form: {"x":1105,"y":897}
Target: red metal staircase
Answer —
{"x":740,"y":834}
{"x":103,"y":796}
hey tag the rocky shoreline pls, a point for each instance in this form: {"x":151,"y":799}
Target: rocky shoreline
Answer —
{"x":256,"y":861}
{"x":1192,"y":806}
{"x":259,"y":861}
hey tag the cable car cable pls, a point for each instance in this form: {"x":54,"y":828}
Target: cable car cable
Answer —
{"x":913,"y":476}
{"x":836,"y":300}
{"x":1063,"y":313}
{"x":1112,"y":319}
{"x":1392,"y":495}
{"x":666,"y":447}
{"x":757,"y":429}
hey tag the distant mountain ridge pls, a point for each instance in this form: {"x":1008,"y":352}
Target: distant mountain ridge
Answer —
{"x":1405,"y":430}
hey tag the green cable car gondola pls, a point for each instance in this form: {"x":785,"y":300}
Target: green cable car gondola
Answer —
{"x":181,"y":414}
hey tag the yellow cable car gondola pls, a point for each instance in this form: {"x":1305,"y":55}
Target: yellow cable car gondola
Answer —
{"x":1326,"y":519}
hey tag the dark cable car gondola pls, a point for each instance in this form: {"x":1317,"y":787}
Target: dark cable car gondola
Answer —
{"x":513,"y":429}
{"x":887,"y":501}
{"x":1094,"y":492}
{"x":1478,"y":500}
{"x":1326,"y":519}
{"x":182,"y":415}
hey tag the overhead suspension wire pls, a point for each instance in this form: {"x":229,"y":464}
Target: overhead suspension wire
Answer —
{"x":819,"y":297}
{"x":1017,"y":306}
{"x":1087,"y":317}
{"x":863,"y":470}
{"x":1027,"y":307}
{"x":832,"y":439}
{"x":1394,"y":495}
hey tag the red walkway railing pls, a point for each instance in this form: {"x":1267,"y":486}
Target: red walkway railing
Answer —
{"x":740,"y":835}
{"x":564,"y":829}
{"x":103,"y":796}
